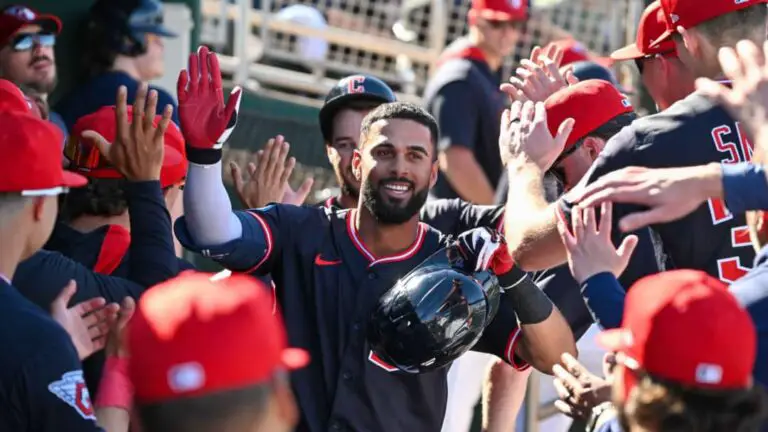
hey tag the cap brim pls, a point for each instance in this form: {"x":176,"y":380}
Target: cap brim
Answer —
{"x":664,"y":36}
{"x":159,"y":30}
{"x":73,"y":180}
{"x":629,"y":52}
{"x":49,"y":23}
{"x":493,"y":15}
{"x":295,"y":358}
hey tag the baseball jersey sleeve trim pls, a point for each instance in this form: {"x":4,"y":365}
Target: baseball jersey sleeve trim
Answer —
{"x":509,"y":352}
{"x":744,"y":187}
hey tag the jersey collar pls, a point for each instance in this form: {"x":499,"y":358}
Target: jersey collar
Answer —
{"x":402,"y":256}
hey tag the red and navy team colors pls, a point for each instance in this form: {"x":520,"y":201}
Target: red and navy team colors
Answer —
{"x":153,"y":260}
{"x":464,"y":98}
{"x":328,"y":286}
{"x":41,"y":381}
{"x":694,"y":131}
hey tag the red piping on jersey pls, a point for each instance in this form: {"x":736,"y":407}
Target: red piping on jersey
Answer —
{"x":113,"y":249}
{"x":329,"y":202}
{"x":509,"y":352}
{"x":461,"y":50}
{"x":408,"y":253}
{"x":267,"y":238}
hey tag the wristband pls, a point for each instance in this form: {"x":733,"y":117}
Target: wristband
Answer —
{"x":531,"y":305}
{"x":203,"y":156}
{"x":115,"y":388}
{"x":512,"y":278}
{"x":744,"y":187}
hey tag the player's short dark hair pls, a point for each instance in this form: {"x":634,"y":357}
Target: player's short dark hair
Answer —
{"x":405,"y":111}
{"x":610,"y":128}
{"x":228,"y":410}
{"x":100,"y":197}
{"x":726,"y":30}
{"x":662,"y":406}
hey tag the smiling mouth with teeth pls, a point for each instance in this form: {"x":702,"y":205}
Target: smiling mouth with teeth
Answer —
{"x":397,"y":187}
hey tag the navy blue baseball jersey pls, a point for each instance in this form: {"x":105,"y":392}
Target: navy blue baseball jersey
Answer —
{"x":464,"y":97}
{"x":328,"y":283}
{"x":694,"y":131}
{"x":101,"y":91}
{"x":41,"y":382}
{"x":41,"y":277}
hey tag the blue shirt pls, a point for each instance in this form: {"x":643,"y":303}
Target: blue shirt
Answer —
{"x":101,"y":91}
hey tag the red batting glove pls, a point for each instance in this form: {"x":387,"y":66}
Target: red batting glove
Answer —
{"x":501,"y":261}
{"x":205,"y":121}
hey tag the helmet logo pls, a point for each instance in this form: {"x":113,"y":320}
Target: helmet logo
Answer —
{"x":21,"y":12}
{"x":356,"y":84}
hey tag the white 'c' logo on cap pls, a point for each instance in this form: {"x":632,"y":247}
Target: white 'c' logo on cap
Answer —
{"x":186,"y":377}
{"x":516,"y":4}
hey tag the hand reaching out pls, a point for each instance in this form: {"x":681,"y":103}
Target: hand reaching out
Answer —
{"x":538,"y":78}
{"x":205,"y":121}
{"x":525,"y":135}
{"x":747,"y":98}
{"x":87,"y":323}
{"x":589,"y":246}
{"x":579,"y":390}
{"x":268,"y":177}
{"x":139,"y":146}
{"x":115,"y":344}
{"x":667,"y":193}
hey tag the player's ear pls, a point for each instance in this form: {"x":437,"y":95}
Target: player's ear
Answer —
{"x":357,"y":159}
{"x":691,"y":40}
{"x":594,"y":146}
{"x":433,"y":174}
{"x":38,"y":208}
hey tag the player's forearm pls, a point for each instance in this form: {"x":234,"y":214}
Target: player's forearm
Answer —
{"x":744,"y":186}
{"x":530,"y":223}
{"x":544,"y":333}
{"x":503,"y":395}
{"x":208,"y":210}
{"x":467,"y":177}
{"x":113,"y":419}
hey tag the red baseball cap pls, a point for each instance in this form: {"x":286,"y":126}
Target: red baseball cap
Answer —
{"x":690,"y":13}
{"x":500,"y":10}
{"x":591,"y":103}
{"x":13,"y":18}
{"x":32,"y":162}
{"x":574,"y":51}
{"x":13,"y":99}
{"x":192,"y":336}
{"x":684,"y":326}
{"x":652,"y":25}
{"x":85,"y":157}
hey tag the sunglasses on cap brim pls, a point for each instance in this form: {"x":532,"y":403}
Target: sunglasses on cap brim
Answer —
{"x":640,"y":61}
{"x":86,"y":158}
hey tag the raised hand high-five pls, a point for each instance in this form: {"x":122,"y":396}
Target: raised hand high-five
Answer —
{"x":525,"y":134}
{"x":746,"y":99}
{"x":139,"y":146}
{"x":539,"y":77}
{"x":206,"y":121}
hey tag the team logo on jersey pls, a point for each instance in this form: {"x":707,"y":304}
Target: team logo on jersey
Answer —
{"x":72,"y":390}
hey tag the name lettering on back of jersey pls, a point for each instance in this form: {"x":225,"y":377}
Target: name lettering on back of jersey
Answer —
{"x":72,"y":390}
{"x":730,"y":269}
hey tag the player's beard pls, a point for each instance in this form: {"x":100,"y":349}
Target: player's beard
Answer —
{"x":388,"y":211}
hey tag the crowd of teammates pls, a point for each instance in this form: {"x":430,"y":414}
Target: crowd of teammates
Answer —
{"x":351,"y":314}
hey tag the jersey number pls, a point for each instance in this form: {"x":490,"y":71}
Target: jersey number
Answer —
{"x":730,"y":269}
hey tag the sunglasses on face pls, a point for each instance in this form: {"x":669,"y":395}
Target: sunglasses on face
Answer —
{"x":640,"y":62}
{"x":27,"y":41}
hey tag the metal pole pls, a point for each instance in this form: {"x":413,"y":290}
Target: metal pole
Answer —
{"x":242,"y":28}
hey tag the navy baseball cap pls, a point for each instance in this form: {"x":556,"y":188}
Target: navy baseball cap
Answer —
{"x":587,"y":70}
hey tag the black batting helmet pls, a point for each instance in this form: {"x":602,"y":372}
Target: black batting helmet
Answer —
{"x":434,"y":314}
{"x":348,"y":89}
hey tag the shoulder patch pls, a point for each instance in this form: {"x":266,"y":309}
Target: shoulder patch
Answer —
{"x":72,"y":390}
